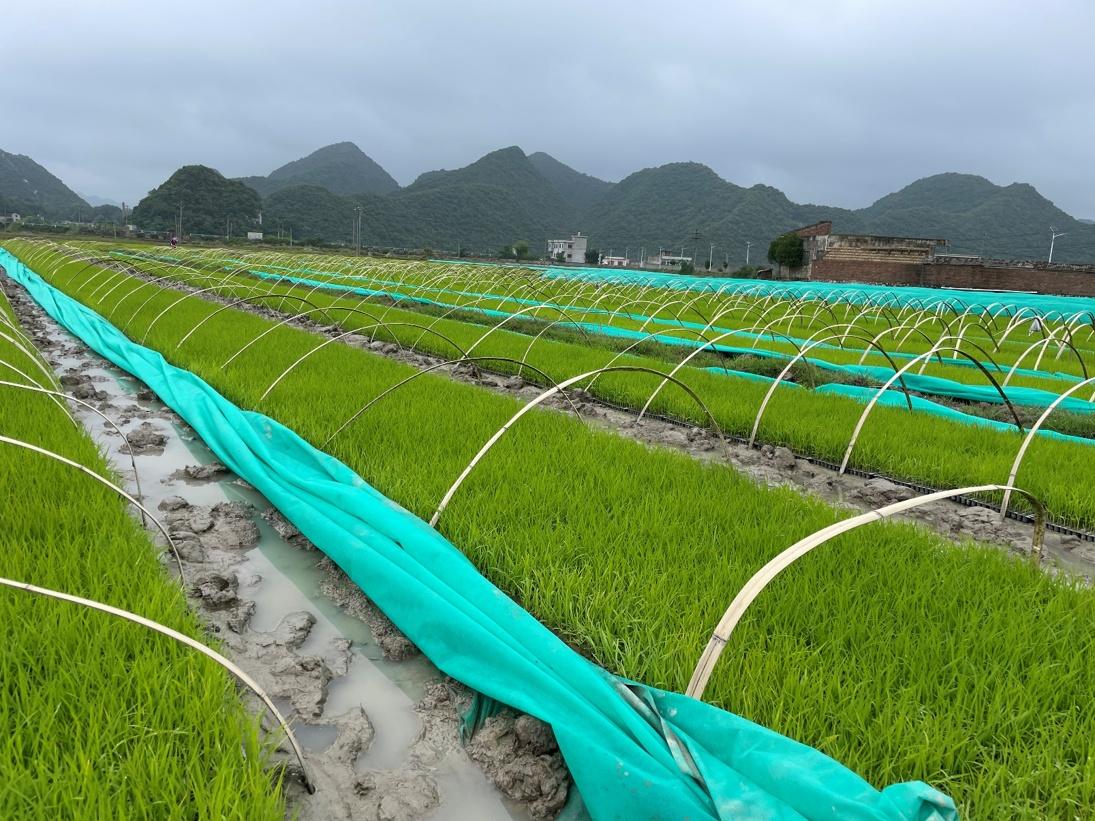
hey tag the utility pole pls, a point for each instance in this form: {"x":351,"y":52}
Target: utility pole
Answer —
{"x":358,"y":209}
{"x":178,"y":225}
{"x":1053,"y":234}
{"x":227,"y":229}
{"x":711,"y":256}
{"x":748,"y":245}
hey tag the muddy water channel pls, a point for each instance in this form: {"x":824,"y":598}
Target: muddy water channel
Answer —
{"x":378,"y":723}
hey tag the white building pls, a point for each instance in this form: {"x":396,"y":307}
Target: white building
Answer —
{"x":615,"y":262}
{"x":663,"y":260}
{"x":254,"y":235}
{"x":572,"y":250}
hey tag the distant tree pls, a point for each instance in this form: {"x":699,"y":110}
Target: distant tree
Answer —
{"x":746,"y":272}
{"x":687,"y":267}
{"x":464,"y":252}
{"x":521,"y":249}
{"x":561,"y":256}
{"x":593,"y":256}
{"x":507,"y":252}
{"x":786,"y":250}
{"x":427,"y":253}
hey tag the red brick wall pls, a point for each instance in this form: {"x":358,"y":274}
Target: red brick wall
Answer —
{"x":1068,"y":283}
{"x":816,"y":230}
{"x":883,"y":273}
{"x":943,"y":275}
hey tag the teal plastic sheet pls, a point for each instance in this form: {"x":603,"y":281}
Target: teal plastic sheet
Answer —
{"x":896,"y":399}
{"x":856,"y":292}
{"x":634,"y":751}
{"x":939,"y":386}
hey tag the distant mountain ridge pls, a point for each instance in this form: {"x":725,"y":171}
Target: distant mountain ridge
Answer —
{"x":209,"y":203}
{"x":341,"y":168}
{"x":506,"y":196}
{"x":28,"y":189}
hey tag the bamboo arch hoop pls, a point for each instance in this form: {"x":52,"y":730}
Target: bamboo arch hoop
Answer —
{"x":897,"y":374}
{"x":546,"y":395}
{"x":463,"y":360}
{"x":19,"y":443}
{"x":164,"y":630}
{"x":752,"y":588}
{"x":1030,"y":437}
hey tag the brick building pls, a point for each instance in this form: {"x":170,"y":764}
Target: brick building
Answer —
{"x":918,"y":261}
{"x":841,"y":257}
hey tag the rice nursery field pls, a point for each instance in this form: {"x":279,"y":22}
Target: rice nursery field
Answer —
{"x":899,"y":653}
{"x":101,"y":718}
{"x":515,"y":314}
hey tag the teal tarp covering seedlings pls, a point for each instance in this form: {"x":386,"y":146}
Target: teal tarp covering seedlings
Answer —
{"x":634,"y":751}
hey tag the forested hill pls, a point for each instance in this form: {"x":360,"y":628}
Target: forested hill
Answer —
{"x":342,"y":168}
{"x":26,"y":188}
{"x":979,"y":217}
{"x":209,"y":202}
{"x":507,"y":196}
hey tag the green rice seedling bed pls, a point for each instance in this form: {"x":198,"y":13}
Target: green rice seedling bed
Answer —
{"x":898,"y":653}
{"x":102,"y":718}
{"x":914,"y":447}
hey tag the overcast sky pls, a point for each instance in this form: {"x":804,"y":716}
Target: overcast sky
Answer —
{"x":837,"y":102}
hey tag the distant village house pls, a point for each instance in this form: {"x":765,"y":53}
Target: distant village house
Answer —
{"x":568,"y":250}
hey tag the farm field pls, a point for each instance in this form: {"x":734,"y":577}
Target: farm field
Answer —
{"x":922,"y":447}
{"x":900,"y":654}
{"x":101,"y":714}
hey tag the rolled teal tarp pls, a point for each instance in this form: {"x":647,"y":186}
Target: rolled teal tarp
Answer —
{"x":613,"y":734}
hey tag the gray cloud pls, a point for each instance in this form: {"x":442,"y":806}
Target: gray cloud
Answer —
{"x":838,"y":102}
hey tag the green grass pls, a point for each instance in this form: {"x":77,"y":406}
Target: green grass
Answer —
{"x":899,"y":654}
{"x":103,"y":718}
{"x":918,"y":447}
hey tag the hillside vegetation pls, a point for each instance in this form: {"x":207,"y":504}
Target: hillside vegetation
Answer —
{"x":208,"y":200}
{"x":342,"y":168}
{"x":29,"y":190}
{"x":507,"y":196}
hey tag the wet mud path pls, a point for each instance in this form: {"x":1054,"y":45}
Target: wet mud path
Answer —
{"x":379,"y":724}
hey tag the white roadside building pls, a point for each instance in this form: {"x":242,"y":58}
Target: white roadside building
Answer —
{"x":572,"y":250}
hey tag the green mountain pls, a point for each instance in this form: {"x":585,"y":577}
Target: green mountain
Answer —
{"x":580,"y":190}
{"x":208,"y":201}
{"x":505,"y":196}
{"x":687,"y":206}
{"x":978,"y":217}
{"x":497,"y":200}
{"x":342,"y":168}
{"x":30,"y":190}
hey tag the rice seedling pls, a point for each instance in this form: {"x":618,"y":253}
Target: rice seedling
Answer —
{"x":898,"y":653}
{"x":101,"y":718}
{"x":917,"y":447}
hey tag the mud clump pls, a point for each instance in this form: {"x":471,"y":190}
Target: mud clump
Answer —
{"x":219,"y":593}
{"x":337,"y":586}
{"x":144,"y":439}
{"x":200,"y":473}
{"x":520,"y":755}
{"x":232,"y":527}
{"x":286,"y":529}
{"x":287,"y":674}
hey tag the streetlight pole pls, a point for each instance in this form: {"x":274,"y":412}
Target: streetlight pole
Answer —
{"x":1053,"y":234}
